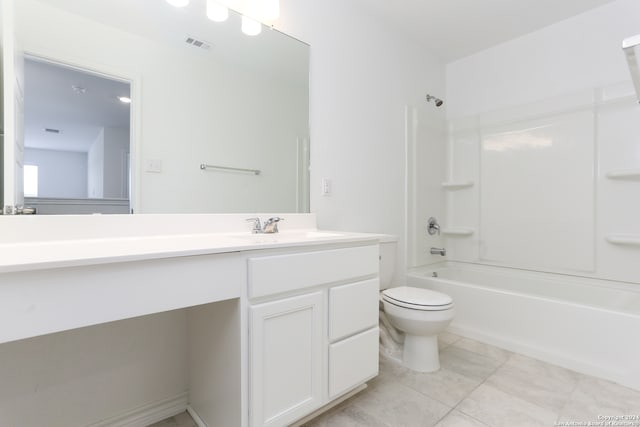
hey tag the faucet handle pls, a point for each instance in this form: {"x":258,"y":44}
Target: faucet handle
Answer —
{"x":271,"y":225}
{"x":432,"y":226}
{"x":257,"y":225}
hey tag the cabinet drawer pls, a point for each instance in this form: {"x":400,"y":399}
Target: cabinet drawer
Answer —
{"x":353,"y":308}
{"x":352,"y":361}
{"x":274,"y":274}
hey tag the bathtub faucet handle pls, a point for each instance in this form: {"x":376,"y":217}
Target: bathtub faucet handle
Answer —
{"x":432,"y":226}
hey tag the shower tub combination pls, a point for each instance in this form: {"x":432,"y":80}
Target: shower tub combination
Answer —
{"x":586,"y":325}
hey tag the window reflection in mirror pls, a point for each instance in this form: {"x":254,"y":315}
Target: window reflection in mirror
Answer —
{"x":77,"y":138}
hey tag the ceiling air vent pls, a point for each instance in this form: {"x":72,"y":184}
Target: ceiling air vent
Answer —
{"x":51,"y":130}
{"x":198,"y":43}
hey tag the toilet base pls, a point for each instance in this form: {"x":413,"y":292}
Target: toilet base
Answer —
{"x":421,"y":353}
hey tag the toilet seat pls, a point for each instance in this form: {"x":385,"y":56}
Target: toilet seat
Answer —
{"x":417,"y":298}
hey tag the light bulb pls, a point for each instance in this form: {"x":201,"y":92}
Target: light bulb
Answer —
{"x":217,"y":12}
{"x":250,"y":26}
{"x":270,"y":9}
{"x":178,"y":3}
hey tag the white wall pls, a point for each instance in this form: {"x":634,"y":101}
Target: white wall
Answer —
{"x":537,"y":123}
{"x":95,"y":172}
{"x":61,"y":174}
{"x":108,"y":173}
{"x":578,"y":53}
{"x":82,"y":376}
{"x":363,"y":75}
{"x":116,"y":148}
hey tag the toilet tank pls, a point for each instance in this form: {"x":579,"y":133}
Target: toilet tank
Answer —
{"x":387,"y":262}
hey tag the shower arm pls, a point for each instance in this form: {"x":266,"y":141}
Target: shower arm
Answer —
{"x":631,"y":48}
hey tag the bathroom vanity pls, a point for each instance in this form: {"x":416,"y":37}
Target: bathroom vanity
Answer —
{"x":277,"y":325}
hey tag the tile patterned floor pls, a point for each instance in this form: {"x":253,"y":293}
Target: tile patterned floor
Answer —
{"x":478,"y":385}
{"x":181,"y":420}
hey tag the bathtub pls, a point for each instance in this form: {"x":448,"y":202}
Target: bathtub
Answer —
{"x":583,"y":324}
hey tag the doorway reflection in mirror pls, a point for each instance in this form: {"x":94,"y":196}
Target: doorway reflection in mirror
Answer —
{"x":77,"y":139}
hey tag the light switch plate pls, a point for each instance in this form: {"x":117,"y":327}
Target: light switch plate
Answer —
{"x":326,"y":187}
{"x":153,"y":165}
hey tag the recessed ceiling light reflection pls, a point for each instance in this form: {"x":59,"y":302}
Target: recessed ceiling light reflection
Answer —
{"x":217,"y":12}
{"x":250,"y":26}
{"x":178,"y":3}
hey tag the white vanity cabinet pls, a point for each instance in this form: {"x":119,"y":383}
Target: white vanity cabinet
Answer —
{"x":313,"y":329}
{"x":353,"y":335}
{"x":286,"y":359}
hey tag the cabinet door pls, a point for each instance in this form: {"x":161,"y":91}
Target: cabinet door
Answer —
{"x":286,"y":357}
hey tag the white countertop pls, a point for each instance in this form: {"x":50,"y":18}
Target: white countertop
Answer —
{"x":36,"y":243}
{"x":36,"y":255}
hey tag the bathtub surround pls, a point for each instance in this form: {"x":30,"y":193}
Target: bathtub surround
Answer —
{"x":425,"y":153}
{"x":557,"y":124}
{"x":538,"y":188}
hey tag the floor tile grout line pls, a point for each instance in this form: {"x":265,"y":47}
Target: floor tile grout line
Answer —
{"x":478,"y":386}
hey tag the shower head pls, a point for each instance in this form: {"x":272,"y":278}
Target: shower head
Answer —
{"x":437,"y":101}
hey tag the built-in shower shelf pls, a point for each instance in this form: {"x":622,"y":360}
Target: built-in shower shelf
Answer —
{"x":456,"y":185}
{"x":624,"y":239}
{"x":458,"y":231}
{"x":624,"y":174}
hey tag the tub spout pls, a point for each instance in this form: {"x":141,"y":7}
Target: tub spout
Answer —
{"x":438,"y":251}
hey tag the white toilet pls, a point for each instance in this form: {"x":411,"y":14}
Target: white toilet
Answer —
{"x":420,"y":313}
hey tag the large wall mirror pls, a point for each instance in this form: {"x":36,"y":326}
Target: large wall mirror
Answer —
{"x":219,"y":121}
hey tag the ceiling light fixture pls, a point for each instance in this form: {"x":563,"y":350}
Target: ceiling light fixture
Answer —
{"x":217,"y":12}
{"x":270,"y":9}
{"x":125,"y":99}
{"x":178,"y":3}
{"x":251,"y":27}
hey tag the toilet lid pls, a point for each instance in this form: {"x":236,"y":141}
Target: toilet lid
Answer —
{"x":417,"y":297}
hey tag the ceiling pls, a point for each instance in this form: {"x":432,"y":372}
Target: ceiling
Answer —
{"x":270,"y":53}
{"x":51,"y":102}
{"x":452,"y":29}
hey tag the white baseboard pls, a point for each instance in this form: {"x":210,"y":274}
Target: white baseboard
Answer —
{"x":196,"y":417}
{"x":147,"y":414}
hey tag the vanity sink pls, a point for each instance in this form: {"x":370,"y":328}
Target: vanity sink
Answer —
{"x":321,"y":234}
{"x":285,"y":236}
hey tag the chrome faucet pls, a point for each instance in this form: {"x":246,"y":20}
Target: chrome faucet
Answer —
{"x":270,"y":225}
{"x":432,"y":226}
{"x":257,"y":225}
{"x":438,"y":251}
